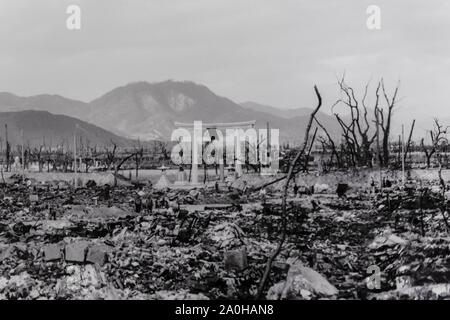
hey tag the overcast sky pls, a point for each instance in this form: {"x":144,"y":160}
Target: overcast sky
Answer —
{"x":270,"y":51}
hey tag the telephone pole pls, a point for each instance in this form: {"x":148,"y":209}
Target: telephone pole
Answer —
{"x":75,"y":156}
{"x":403,"y":154}
{"x":378,"y":149}
{"x":23,"y":155}
{"x":7,"y":148}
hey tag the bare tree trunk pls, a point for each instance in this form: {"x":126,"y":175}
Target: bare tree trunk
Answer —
{"x":294,"y":162}
{"x":408,"y":143}
{"x":387,"y":129}
{"x":443,"y":206}
{"x":331,"y":141}
{"x":305,"y":166}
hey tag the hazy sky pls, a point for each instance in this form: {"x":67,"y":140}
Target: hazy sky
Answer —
{"x":268,"y":51}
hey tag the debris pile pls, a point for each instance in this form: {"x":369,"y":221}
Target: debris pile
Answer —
{"x":95,"y":242}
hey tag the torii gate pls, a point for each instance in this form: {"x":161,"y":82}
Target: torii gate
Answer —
{"x":213,"y":127}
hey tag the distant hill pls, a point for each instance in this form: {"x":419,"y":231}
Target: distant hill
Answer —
{"x":38,"y":126}
{"x":44,"y":102}
{"x":285,"y":113}
{"x":149,"y":110}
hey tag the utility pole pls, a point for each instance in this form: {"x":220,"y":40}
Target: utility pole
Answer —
{"x":75,"y":156}
{"x":80,"y":154}
{"x":269,"y":160}
{"x":7,"y":149}
{"x":269,"y":147}
{"x":136,"y":156}
{"x":403,"y":154}
{"x":23,"y":157}
{"x":1,"y":150}
{"x":378,"y":149}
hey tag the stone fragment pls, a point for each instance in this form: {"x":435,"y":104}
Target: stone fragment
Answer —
{"x":304,"y":278}
{"x":302,"y":283}
{"x":236,"y":259}
{"x":387,"y":239}
{"x":52,"y":252}
{"x":97,"y":254}
{"x":76,"y":251}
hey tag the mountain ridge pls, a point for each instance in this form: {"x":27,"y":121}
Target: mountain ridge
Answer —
{"x":39,"y":126}
{"x":149,"y":111}
{"x":285,"y":113}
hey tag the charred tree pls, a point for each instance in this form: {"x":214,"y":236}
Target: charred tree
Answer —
{"x":357,"y":132}
{"x":385,"y":120}
{"x":437,"y":137}
{"x":284,"y":217}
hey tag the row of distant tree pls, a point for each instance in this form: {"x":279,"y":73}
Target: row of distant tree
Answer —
{"x":366,"y":133}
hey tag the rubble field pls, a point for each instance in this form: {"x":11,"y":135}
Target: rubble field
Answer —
{"x":100,"y":242}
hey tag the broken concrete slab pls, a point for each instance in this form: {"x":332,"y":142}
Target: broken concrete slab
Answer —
{"x":52,"y":252}
{"x":76,"y":251}
{"x":387,"y":239}
{"x":54,"y":225}
{"x":302,"y":283}
{"x":302,"y":277}
{"x":97,"y":254}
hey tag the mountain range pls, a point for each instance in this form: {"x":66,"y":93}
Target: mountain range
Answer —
{"x":44,"y":128}
{"x":149,"y":111}
{"x":284,"y":113}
